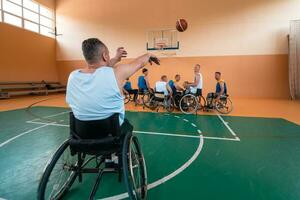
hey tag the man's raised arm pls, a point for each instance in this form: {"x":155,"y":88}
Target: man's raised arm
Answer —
{"x":124,"y":71}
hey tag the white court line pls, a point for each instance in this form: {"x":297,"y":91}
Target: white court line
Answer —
{"x":154,"y":133}
{"x":57,"y":114}
{"x":221,"y":138}
{"x":185,"y":120}
{"x":228,"y":127}
{"x":168,"y":177}
{"x":24,"y":133}
{"x":167,"y":134}
{"x":49,"y":124}
{"x":194,"y":125}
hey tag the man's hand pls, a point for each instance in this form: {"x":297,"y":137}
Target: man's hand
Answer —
{"x":154,"y":59}
{"x":121,"y":53}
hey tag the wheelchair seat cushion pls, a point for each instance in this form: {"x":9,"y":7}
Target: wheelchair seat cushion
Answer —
{"x":105,"y":145}
{"x":159,"y":96}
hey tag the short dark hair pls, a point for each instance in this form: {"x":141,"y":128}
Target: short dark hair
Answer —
{"x":92,"y":49}
{"x":144,"y":70}
{"x":163,"y":76}
{"x":218,"y":73}
{"x":177,"y":75}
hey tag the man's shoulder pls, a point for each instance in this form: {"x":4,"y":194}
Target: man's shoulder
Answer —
{"x":73,"y":73}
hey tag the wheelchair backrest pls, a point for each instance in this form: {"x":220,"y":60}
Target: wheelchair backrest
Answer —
{"x":159,"y":95}
{"x":94,"y":129}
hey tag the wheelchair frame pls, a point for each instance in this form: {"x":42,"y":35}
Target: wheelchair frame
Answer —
{"x":130,"y":156}
{"x":161,"y":101}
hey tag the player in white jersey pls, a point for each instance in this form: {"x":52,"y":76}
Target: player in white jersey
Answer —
{"x":196,"y":86}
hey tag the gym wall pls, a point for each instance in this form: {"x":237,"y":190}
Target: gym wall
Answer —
{"x":245,"y":40}
{"x":25,"y":55}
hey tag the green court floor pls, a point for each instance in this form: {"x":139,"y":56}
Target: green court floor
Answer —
{"x":187,"y":157}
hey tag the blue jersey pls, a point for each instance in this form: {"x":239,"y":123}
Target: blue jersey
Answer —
{"x":172,"y":86}
{"x":127,"y":86}
{"x":218,"y":87}
{"x":142,"y":85}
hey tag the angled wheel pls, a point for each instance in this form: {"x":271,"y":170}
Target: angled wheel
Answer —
{"x":127,"y":98}
{"x":59,"y":174}
{"x":170,"y":104}
{"x":152,"y":104}
{"x":146,"y":99}
{"x":224,"y":106}
{"x":202,"y":103}
{"x":188,"y":104}
{"x":134,"y":168}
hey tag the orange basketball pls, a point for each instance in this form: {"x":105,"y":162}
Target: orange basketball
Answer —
{"x":181,"y":25}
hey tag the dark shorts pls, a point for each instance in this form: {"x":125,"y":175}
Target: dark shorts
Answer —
{"x":198,"y":92}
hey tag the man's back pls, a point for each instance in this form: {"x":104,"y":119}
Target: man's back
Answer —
{"x":172,"y":86}
{"x":94,"y":96}
{"x":142,"y":83}
{"x":161,"y":86}
{"x":127,"y":86}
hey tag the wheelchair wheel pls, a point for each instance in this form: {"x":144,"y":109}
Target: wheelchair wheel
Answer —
{"x":134,"y":168}
{"x":146,"y":99}
{"x":224,"y":106}
{"x":170,"y":104}
{"x":188,"y":104}
{"x":202,"y":103}
{"x":152,"y":104}
{"x":59,"y":174}
{"x":127,"y":98}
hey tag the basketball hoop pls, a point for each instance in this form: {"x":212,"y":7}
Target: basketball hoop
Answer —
{"x":160,"y":46}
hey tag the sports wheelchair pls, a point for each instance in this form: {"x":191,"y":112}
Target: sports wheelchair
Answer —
{"x":79,"y":155}
{"x":189,"y":103}
{"x":159,"y":99}
{"x":223,"y":105}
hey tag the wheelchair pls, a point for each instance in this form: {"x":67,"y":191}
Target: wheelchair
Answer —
{"x":223,"y":106}
{"x":190,"y":103}
{"x":79,"y":155}
{"x":159,"y":99}
{"x":146,"y":96}
{"x":129,"y":98}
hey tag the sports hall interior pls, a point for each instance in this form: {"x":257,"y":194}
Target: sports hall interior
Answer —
{"x":248,"y":41}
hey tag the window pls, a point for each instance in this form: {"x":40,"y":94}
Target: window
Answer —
{"x":0,"y":10}
{"x":46,"y":12}
{"x":46,"y":31}
{"x":13,"y":8}
{"x":32,"y":16}
{"x":30,"y":5}
{"x":11,"y":19}
{"x":29,"y":15}
{"x":31,"y":26}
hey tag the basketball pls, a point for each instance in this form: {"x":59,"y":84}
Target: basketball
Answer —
{"x":181,"y":25}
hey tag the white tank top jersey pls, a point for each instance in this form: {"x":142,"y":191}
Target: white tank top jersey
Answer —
{"x":95,"y":96}
{"x":200,"y":84}
{"x":161,"y":86}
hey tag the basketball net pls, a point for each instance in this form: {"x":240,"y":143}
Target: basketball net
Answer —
{"x":160,"y":48}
